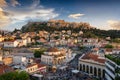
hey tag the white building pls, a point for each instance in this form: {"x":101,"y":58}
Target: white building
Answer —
{"x":31,"y":68}
{"x":28,"y":55}
{"x":110,"y":70}
{"x":22,"y":42}
{"x":34,"y":68}
{"x":19,"y":59}
{"x":108,"y":51}
{"x":112,"y":51}
{"x":90,"y":42}
{"x":116,"y":51}
{"x":92,"y":64}
{"x":9,"y":44}
{"x":27,"y":41}
{"x":18,"y":42}
{"x":53,"y":56}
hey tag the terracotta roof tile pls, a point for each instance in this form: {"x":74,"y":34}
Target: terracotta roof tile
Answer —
{"x":41,"y":65}
{"x":5,"y":69}
{"x":93,"y":57}
{"x":52,"y":50}
{"x":108,"y":50}
{"x":31,"y":65}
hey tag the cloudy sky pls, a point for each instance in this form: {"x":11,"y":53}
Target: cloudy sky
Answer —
{"x":103,"y":14}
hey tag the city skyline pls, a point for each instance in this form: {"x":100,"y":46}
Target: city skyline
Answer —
{"x":102,"y":14}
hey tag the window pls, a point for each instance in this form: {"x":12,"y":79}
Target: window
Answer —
{"x":80,"y":67}
{"x":83,"y":67}
{"x":95,"y":71}
{"x":103,"y":74}
{"x":91,"y":69}
{"x":99,"y":72}
{"x":87,"y":67}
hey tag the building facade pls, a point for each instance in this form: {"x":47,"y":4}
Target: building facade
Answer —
{"x":53,"y":56}
{"x":111,"y":70}
{"x":92,"y":64}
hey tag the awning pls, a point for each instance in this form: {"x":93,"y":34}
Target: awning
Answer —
{"x":75,"y":71}
{"x":37,"y":75}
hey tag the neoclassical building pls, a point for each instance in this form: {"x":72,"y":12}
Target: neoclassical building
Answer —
{"x":92,"y":64}
{"x":54,"y":56}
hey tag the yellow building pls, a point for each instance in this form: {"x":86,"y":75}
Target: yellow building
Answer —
{"x":1,"y":38}
{"x":7,"y":60}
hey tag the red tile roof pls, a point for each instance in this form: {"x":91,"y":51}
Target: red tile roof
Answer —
{"x":31,"y":65}
{"x":108,"y":50}
{"x":5,"y":69}
{"x":36,"y":64}
{"x":52,"y":50}
{"x":95,"y":49}
{"x":42,"y":40}
{"x":94,"y":57}
{"x":41,"y":65}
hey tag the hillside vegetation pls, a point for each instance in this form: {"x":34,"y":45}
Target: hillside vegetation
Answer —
{"x":74,"y":27}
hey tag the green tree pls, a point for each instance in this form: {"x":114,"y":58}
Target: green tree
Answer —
{"x":38,"y":53}
{"x":108,"y":46}
{"x":56,"y":37}
{"x":116,"y":40}
{"x":15,"y":76}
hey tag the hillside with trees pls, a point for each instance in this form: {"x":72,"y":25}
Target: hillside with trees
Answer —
{"x":88,"y":30}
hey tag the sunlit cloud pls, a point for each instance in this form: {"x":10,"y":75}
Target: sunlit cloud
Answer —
{"x":35,"y":15}
{"x":114,"y":24}
{"x":11,"y":16}
{"x":3,"y":3}
{"x":4,"y":20}
{"x":75,"y":16}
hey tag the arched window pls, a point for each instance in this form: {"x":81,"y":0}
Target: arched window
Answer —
{"x":83,"y":67}
{"x":91,"y":69}
{"x":95,"y":71}
{"x":99,"y":72}
{"x":87,"y":67}
{"x":103,"y":73}
{"x":80,"y":67}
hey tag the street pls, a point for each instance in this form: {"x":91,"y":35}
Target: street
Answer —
{"x":67,"y":74}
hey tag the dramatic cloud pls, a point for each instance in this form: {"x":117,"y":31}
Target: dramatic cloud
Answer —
{"x":35,"y":4}
{"x":4,"y":20}
{"x":76,"y":16}
{"x":35,"y":15}
{"x":15,"y":15}
{"x":3,"y":3}
{"x":14,"y":3}
{"x":114,"y":24}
